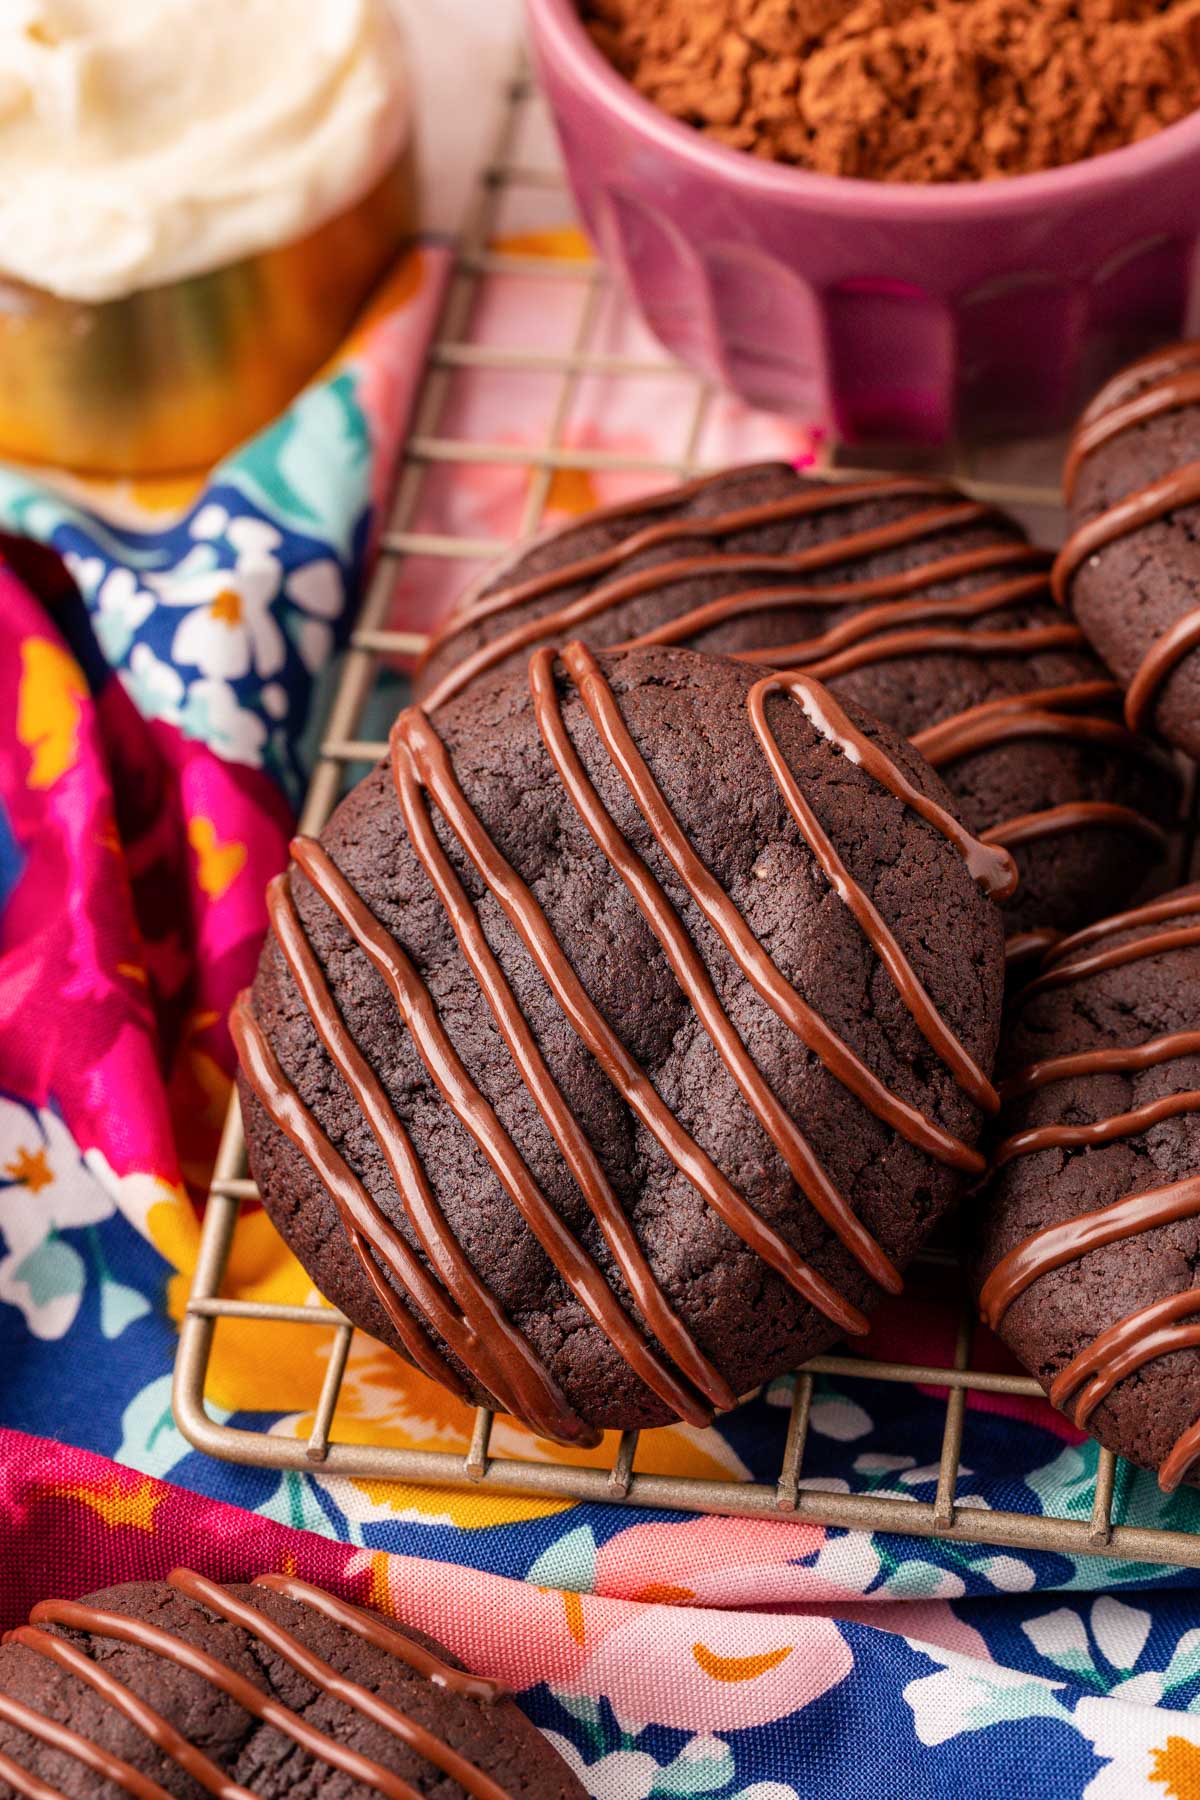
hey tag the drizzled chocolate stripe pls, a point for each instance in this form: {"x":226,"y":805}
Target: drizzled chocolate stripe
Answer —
{"x":1060,"y":975}
{"x":804,"y":502}
{"x":372,"y":1629}
{"x":1126,"y":1059}
{"x":954,"y":737}
{"x":678,"y":948}
{"x":1154,"y":1331}
{"x":1076,"y":815}
{"x":424,"y":777}
{"x":161,"y":1733}
{"x":1057,"y":1245}
{"x":1168,"y":381}
{"x":60,"y":1737}
{"x":527,"y":1382}
{"x":1139,"y":1338}
{"x":886,"y":588}
{"x":1104,"y":1131}
{"x":1163,"y":382}
{"x":73,"y":1616}
{"x":498,"y":1351}
{"x":372,"y":1236}
{"x":998,"y":723}
{"x":1064,"y":965}
{"x":874,"y":636}
{"x":1154,"y":912}
{"x":890,"y":646}
{"x":432,"y":768}
{"x":997,"y":875}
{"x":555,"y":624}
{"x":327,"y":1680}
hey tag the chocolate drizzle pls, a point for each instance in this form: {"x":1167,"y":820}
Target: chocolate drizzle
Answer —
{"x":1164,"y":382}
{"x":902,"y":616}
{"x":953,"y":513}
{"x":481,"y":1339}
{"x":72,"y":1616}
{"x":1156,"y":1330}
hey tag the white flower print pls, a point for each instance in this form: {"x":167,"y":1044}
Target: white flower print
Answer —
{"x":121,"y":606}
{"x":155,"y":688}
{"x":967,"y":1695}
{"x":45,"y":1189}
{"x":229,"y":627}
{"x":212,"y":714}
{"x":1120,"y":1630}
{"x":1152,"y":1752}
{"x":704,"y":1766}
{"x":317,"y":591}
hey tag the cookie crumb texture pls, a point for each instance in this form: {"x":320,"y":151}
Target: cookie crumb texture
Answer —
{"x":1098,"y":1170}
{"x":731,"y":1313}
{"x":71,"y":1727}
{"x":911,"y":90}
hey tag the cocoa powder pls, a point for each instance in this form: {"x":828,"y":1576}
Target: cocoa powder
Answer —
{"x":911,"y":90}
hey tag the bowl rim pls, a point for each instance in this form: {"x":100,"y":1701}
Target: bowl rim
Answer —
{"x":558,"y":27}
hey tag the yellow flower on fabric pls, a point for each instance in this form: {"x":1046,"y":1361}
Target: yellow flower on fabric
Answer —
{"x":1148,"y":1751}
{"x":219,"y":864}
{"x":49,"y":709}
{"x":30,"y":1168}
{"x":1177,"y":1767}
{"x":125,"y":1503}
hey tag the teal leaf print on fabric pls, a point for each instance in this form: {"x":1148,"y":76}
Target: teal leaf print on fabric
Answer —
{"x":309,"y":469}
{"x":150,"y":1440}
{"x":570,"y":1562}
{"x":54,"y":1271}
{"x":966,"y":1696}
{"x":705,"y":1765}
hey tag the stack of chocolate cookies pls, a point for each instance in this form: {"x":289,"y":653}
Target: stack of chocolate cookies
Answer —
{"x":632,"y":1026}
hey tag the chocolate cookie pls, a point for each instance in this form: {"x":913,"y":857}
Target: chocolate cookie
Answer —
{"x":925,"y":607}
{"x":1130,"y":572}
{"x":172,"y":1689}
{"x":625,"y":1036}
{"x":1089,"y":1236}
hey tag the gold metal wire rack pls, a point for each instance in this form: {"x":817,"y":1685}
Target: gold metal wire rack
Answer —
{"x":1104,"y":1532}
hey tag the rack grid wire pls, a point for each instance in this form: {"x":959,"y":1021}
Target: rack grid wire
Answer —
{"x":1103,"y":1533}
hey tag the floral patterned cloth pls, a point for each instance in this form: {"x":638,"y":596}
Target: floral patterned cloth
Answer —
{"x":157,"y":674}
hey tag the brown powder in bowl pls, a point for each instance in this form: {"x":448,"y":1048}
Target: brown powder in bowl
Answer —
{"x":911,"y":90}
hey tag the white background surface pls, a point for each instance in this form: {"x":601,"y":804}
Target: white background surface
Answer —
{"x":461,"y":51}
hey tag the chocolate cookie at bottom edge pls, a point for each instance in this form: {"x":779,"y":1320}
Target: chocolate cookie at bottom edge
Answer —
{"x":1130,"y":572}
{"x":97,"y":1702}
{"x":1089,"y":1234}
{"x":925,"y":607}
{"x":696,"y":1126}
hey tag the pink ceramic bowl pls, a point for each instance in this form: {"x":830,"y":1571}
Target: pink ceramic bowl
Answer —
{"x":889,"y":311}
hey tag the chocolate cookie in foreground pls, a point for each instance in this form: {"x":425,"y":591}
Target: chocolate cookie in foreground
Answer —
{"x":1090,"y":1232}
{"x":180,"y":1688}
{"x":921,"y":605}
{"x":1130,"y":572}
{"x":625,"y":1034}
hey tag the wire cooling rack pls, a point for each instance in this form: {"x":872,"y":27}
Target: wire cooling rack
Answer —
{"x":787,"y":1496}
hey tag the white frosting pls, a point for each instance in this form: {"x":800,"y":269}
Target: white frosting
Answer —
{"x":144,"y":140}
